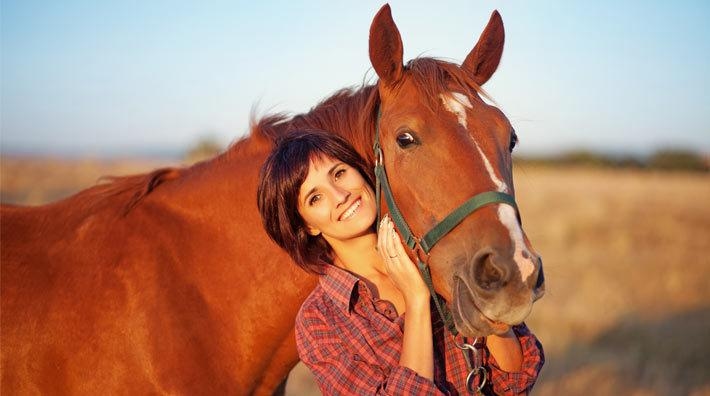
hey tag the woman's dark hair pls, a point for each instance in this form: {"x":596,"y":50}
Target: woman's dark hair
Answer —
{"x":280,"y":182}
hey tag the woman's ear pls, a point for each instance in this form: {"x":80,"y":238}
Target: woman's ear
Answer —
{"x":312,"y":231}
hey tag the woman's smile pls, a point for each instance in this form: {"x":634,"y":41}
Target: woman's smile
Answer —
{"x":351,"y":210}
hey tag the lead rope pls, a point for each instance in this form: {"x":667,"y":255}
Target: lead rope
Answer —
{"x":477,"y":373}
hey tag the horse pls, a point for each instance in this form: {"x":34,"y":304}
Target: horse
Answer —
{"x":166,"y":283}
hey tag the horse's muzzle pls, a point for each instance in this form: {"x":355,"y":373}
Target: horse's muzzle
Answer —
{"x":490,"y":294}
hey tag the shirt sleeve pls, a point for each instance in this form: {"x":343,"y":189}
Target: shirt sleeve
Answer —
{"x":520,"y":382}
{"x":339,"y":371}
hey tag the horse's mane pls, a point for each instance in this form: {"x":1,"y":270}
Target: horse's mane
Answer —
{"x":350,"y":112}
{"x":133,"y":187}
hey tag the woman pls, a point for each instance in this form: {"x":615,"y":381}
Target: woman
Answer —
{"x":367,"y":327}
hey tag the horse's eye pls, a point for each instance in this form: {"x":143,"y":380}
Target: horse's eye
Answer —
{"x":513,"y":141}
{"x":405,"y":139}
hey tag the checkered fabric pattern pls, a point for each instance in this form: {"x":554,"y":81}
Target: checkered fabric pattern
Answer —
{"x":352,"y":343}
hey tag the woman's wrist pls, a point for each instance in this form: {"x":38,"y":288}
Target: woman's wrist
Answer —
{"x":417,"y":347}
{"x":417,"y":301}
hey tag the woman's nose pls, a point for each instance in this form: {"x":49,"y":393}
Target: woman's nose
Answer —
{"x":340,"y":195}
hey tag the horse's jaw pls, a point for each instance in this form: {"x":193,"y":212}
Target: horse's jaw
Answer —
{"x":477,"y":317}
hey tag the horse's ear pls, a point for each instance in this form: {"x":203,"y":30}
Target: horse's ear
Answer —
{"x":386,"y":47}
{"x":483,"y":59}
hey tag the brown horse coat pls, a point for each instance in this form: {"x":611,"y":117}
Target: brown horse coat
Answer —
{"x":166,"y":282}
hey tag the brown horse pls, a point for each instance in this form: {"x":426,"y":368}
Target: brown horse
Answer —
{"x":166,"y":282}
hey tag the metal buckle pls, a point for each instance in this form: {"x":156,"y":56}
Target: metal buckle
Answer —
{"x":418,"y":250}
{"x":379,"y":160}
{"x":478,"y":371}
{"x":465,"y":346}
{"x":471,"y":378}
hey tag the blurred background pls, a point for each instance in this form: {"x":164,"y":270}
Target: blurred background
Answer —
{"x":610,"y":102}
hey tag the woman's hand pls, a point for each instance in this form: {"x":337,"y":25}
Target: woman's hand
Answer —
{"x":400,"y":268}
{"x":417,"y":346}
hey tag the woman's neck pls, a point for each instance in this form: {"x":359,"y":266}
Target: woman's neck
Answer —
{"x":359,"y":255}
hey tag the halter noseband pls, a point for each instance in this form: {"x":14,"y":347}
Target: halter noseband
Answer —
{"x":427,"y":242}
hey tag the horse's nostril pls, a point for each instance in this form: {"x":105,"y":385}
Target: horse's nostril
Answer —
{"x":488,"y":275}
{"x":539,"y":289}
{"x":540,"y":278}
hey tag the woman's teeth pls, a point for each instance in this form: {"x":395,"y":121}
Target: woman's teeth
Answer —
{"x":351,"y":210}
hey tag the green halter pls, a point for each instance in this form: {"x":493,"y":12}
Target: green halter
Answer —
{"x":427,"y":242}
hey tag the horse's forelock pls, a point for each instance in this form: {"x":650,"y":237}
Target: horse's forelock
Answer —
{"x":434,"y":76}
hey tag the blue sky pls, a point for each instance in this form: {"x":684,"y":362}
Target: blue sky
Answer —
{"x":87,"y":77}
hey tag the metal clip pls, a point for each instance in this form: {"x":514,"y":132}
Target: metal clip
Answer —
{"x":465,"y":346}
{"x":379,"y":160}
{"x":471,"y":379}
{"x":418,"y":250}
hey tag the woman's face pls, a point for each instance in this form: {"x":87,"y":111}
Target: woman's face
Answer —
{"x":336,"y":201}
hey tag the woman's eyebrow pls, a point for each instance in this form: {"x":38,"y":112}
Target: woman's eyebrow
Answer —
{"x":331,"y":171}
{"x":308,"y":194}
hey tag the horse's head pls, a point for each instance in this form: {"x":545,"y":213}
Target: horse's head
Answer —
{"x":442,"y":145}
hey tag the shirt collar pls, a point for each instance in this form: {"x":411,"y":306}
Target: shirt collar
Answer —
{"x":339,"y":284}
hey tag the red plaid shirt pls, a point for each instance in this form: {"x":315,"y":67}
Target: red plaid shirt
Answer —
{"x":352,"y":343}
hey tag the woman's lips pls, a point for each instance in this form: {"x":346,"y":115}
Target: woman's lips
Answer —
{"x":350,"y":211}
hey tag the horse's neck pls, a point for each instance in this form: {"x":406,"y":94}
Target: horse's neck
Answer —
{"x":346,"y":113}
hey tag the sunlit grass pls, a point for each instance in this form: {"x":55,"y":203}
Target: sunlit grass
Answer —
{"x":627,"y":309}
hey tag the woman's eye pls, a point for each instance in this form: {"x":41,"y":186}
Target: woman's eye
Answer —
{"x":339,"y":173}
{"x":314,"y":199}
{"x":513,"y":141}
{"x":405,"y":139}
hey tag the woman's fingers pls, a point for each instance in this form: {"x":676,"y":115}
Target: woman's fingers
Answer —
{"x":382,"y":237}
{"x":401,"y":269}
{"x":396,"y":252}
{"x":385,"y":245}
{"x":392,"y":239}
{"x":399,"y":246}
{"x":385,"y":239}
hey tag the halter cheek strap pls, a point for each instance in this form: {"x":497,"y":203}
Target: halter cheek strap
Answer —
{"x":427,"y":242}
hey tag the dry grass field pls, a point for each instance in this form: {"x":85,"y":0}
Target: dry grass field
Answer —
{"x":627,"y":262}
{"x":34,"y":181}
